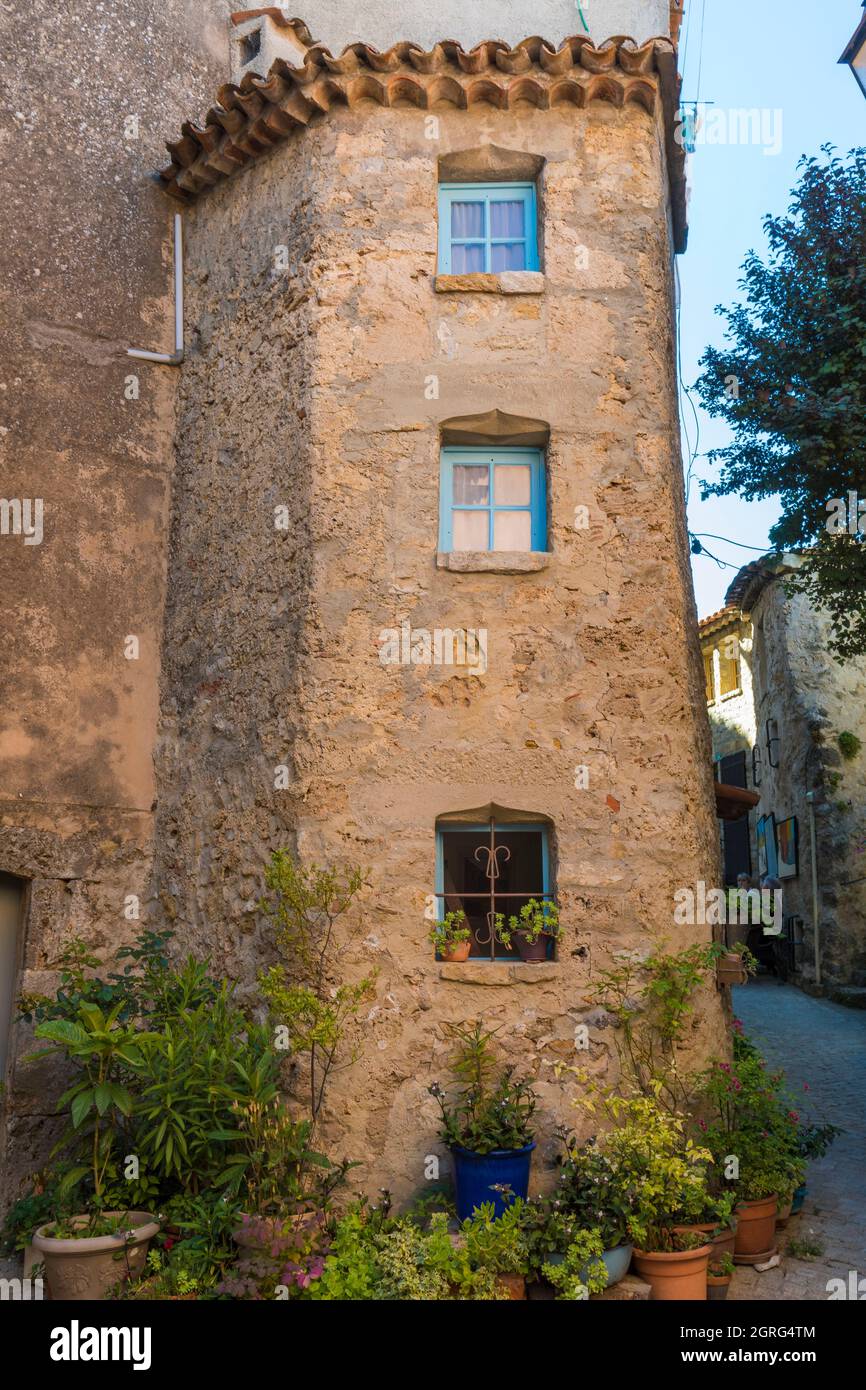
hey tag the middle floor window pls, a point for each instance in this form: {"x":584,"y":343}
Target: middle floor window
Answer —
{"x":492,"y":499}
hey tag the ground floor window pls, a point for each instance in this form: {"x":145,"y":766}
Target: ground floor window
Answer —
{"x":488,"y":868}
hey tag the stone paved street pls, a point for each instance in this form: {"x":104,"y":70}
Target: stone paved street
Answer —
{"x":823,"y":1044}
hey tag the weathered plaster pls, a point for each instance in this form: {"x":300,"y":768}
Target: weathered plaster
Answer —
{"x":310,"y":387}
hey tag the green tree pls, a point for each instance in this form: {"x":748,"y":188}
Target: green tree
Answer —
{"x":791,"y":384}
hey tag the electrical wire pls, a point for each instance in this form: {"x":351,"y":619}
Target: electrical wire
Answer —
{"x":701,"y":49}
{"x":759,"y":549}
{"x":582,"y":16}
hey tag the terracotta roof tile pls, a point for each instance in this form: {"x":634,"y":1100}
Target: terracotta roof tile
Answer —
{"x":261,"y":112}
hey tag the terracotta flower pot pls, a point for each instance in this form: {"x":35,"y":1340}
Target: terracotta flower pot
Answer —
{"x":721,"y":1238}
{"x":730,"y":970}
{"x":512,"y":1284}
{"x":459,"y":951}
{"x":756,"y":1230}
{"x":783,"y":1215}
{"x":89,"y":1267}
{"x":675,"y":1275}
{"x":717,"y":1289}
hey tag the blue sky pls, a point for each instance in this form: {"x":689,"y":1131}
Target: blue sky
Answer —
{"x":777,"y":55}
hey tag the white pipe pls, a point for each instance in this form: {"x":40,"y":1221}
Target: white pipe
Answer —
{"x":171,"y":359}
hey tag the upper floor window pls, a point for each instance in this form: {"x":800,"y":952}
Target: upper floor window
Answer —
{"x":729,"y":669}
{"x":709,"y":677}
{"x":492,"y":499}
{"x":487,"y":227}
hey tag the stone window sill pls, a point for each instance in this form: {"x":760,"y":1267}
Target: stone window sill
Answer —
{"x":498,"y":282}
{"x":485,"y":972}
{"x":493,"y":561}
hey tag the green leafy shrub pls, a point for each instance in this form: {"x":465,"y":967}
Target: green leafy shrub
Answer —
{"x":489,"y":1109}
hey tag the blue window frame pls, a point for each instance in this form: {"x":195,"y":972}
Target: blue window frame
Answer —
{"x":465,"y":854}
{"x":487,"y":227}
{"x":492,"y":499}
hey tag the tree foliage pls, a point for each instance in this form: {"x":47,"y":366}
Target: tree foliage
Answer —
{"x":791,"y":384}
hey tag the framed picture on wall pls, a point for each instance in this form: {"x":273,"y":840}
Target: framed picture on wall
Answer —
{"x":765,"y":837}
{"x":761,"y":845}
{"x":789,"y":848}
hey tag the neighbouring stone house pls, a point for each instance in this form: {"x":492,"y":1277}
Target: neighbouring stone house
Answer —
{"x":789,"y":723}
{"x":426,"y":502}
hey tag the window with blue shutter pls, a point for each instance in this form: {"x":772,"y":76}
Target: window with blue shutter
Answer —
{"x":492,"y":499}
{"x":487,"y":227}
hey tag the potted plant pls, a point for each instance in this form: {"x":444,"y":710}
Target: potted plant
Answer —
{"x":591,"y":1196}
{"x":717,"y":1223}
{"x":499,"y":1244}
{"x":532,"y":930}
{"x":734,"y":965}
{"x":813,"y":1141}
{"x":451,"y":937}
{"x":719,"y":1275}
{"x":486,"y":1125}
{"x":665,"y":1172}
{"x":582,"y":1271}
{"x":754,"y":1128}
{"x":87,"y":1254}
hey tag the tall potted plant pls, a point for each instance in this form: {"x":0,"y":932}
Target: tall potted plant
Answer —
{"x":85,"y":1254}
{"x":752,"y":1137}
{"x":487,"y":1125}
{"x":664,"y":1173}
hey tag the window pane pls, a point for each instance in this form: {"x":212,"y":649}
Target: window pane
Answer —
{"x":471,"y":484}
{"x":467,"y":886}
{"x":508,"y":256}
{"x":466,"y":259}
{"x":506,"y":219}
{"x":471,"y":530}
{"x":512,"y":531}
{"x":511,"y":485}
{"x":729,"y":674}
{"x":467,"y":220}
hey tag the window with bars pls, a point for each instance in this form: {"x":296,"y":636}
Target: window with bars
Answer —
{"x":487,"y":227}
{"x":492,"y":499}
{"x":485,"y":869}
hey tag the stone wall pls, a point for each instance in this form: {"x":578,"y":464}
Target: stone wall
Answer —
{"x":86,"y":274}
{"x":814,"y":698}
{"x":321,"y":368}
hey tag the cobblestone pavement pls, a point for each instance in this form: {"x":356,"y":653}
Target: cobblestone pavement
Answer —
{"x":824,"y":1045}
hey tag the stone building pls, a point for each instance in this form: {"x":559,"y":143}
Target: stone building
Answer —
{"x":792,"y":720}
{"x":426,"y":494}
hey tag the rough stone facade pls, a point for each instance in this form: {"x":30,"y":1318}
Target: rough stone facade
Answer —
{"x":314,"y":333}
{"x":809,"y":699}
{"x":86,"y":274}
{"x":325,"y":387}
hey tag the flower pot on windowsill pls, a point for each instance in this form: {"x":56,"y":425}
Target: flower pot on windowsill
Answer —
{"x":458,"y":952}
{"x":730,"y":970}
{"x":531,"y":950}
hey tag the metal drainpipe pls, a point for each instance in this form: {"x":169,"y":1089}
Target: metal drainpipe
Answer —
{"x":813,"y":846}
{"x":171,"y":359}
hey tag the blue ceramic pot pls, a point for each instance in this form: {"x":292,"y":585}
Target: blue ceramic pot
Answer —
{"x":617,"y":1262}
{"x":799,"y":1199}
{"x":476,"y":1176}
